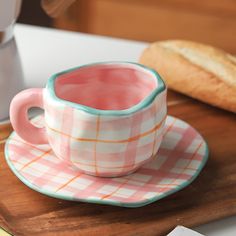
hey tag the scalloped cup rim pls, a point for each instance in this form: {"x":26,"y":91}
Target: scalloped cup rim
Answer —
{"x":141,"y":105}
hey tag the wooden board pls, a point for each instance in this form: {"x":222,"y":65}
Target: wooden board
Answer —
{"x":210,"y":197}
{"x":210,"y":21}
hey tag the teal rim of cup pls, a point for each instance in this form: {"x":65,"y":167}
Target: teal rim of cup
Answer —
{"x":144,"y":103}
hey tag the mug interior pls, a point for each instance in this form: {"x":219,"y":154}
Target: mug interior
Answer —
{"x":106,"y":86}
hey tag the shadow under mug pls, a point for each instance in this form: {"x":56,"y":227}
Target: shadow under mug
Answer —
{"x":105,"y":119}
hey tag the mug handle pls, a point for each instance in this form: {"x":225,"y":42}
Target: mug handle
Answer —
{"x":19,"y":107}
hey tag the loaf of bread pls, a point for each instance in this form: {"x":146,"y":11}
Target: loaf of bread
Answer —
{"x":197,"y":70}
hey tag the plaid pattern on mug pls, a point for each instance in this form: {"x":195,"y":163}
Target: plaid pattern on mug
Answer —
{"x":182,"y":154}
{"x":105,"y":145}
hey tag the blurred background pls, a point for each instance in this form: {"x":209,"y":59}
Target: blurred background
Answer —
{"x":208,"y":21}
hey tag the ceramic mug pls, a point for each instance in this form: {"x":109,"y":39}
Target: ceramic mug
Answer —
{"x":105,"y":119}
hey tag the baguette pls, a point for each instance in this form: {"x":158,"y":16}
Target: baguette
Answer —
{"x":197,"y":70}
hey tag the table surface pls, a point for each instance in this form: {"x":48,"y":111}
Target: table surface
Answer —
{"x":46,"y":51}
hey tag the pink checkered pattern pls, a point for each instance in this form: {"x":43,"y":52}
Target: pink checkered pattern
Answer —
{"x":180,"y":158}
{"x":105,"y":145}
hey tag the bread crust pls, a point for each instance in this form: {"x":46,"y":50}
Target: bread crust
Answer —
{"x":189,"y":78}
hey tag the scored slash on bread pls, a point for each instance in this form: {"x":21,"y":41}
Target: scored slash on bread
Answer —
{"x":197,"y":70}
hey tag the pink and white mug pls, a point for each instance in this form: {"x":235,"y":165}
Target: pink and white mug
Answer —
{"x":105,"y":119}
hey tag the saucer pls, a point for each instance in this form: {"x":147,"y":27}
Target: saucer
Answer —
{"x":181,"y":157}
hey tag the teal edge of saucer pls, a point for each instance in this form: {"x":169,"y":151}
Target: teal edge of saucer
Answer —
{"x":109,"y":202}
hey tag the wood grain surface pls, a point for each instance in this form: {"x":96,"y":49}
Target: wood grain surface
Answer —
{"x":209,"y":21}
{"x":210,"y":197}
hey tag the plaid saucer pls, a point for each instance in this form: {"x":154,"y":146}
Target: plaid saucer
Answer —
{"x":181,"y":157}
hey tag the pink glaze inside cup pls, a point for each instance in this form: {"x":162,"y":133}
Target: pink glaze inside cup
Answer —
{"x":106,"y":86}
